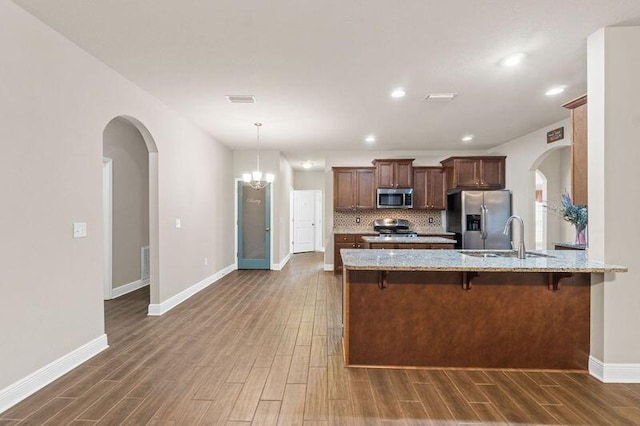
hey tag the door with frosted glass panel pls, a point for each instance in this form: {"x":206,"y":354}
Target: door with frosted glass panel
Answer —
{"x":254,"y":227}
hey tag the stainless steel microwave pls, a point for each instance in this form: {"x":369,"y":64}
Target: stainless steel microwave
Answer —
{"x":395,"y":198}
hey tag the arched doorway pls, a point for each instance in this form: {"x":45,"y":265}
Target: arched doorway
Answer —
{"x":541,"y":211}
{"x":130,"y":194}
{"x":552,"y":171}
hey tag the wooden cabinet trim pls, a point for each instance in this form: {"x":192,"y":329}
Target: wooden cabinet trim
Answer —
{"x":575,"y":103}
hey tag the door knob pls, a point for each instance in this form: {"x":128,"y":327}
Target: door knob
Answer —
{"x":267,"y":229}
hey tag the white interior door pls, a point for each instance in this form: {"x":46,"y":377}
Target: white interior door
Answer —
{"x":304,"y":212}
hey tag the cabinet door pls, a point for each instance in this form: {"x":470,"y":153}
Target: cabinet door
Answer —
{"x":436,"y":189}
{"x":359,"y":242}
{"x":344,"y":187}
{"x":492,"y":173}
{"x":384,"y":174}
{"x":366,"y":192}
{"x":466,"y":172}
{"x":420,"y":182}
{"x":337,"y":259}
{"x":403,"y":174}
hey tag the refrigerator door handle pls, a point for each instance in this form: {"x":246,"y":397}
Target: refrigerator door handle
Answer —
{"x":483,"y":221}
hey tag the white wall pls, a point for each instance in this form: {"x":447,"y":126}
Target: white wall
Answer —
{"x":614,"y":125}
{"x":56,"y":102}
{"x":524,"y":154}
{"x":308,"y":180}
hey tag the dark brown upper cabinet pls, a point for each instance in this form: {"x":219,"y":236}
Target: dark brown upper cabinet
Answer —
{"x":579,"y":160}
{"x":354,"y":188}
{"x":429,"y":188}
{"x":475,"y":172}
{"x":394,"y":173}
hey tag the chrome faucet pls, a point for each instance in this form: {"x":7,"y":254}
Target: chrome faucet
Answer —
{"x":522,"y":252}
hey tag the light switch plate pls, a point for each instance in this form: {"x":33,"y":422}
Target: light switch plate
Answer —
{"x":178,"y":223}
{"x":80,"y":230}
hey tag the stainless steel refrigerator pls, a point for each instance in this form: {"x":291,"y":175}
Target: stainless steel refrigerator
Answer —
{"x":478,"y":218}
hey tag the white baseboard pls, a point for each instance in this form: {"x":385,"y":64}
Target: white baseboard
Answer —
{"x":172,"y":302}
{"x":328,"y":266}
{"x":614,"y":373}
{"x":279,"y":266}
{"x":35,"y":381}
{"x":128,"y":288}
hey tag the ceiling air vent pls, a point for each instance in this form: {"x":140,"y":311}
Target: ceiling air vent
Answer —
{"x":241,"y":99}
{"x":440,"y":97}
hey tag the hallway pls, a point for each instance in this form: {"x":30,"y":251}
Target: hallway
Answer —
{"x":265,"y":347}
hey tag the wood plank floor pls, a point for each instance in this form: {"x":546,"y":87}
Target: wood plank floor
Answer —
{"x":264,"y":347}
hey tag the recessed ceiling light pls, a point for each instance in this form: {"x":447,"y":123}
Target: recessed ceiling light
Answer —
{"x":241,"y":99}
{"x":512,"y":60}
{"x":370,"y":139}
{"x":440,"y":96}
{"x":307,"y":164}
{"x":467,"y":138}
{"x":398,"y":93}
{"x":555,"y":90}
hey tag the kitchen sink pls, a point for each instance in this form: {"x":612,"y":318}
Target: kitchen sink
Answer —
{"x":501,"y":253}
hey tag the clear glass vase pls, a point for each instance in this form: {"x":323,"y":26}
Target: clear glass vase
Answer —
{"x":581,"y":236}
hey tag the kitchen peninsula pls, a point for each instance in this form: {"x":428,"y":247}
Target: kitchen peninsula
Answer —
{"x":478,"y":309}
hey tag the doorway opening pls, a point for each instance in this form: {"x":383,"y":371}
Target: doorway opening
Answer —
{"x":130,"y":209}
{"x":541,"y":213}
{"x":552,"y":177}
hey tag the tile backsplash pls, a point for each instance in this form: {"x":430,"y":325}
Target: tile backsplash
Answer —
{"x":416,"y":218}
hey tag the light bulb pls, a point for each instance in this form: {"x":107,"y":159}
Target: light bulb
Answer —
{"x":257,"y":175}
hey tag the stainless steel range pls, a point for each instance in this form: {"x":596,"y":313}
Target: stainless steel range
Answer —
{"x":393,"y":228}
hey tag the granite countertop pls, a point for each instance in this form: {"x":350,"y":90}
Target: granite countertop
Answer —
{"x":369,"y":230}
{"x":415,"y":240}
{"x":354,"y":230}
{"x":453,"y":260}
{"x":432,"y":231}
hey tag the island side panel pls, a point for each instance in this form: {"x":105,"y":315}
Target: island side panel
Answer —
{"x":507,"y":320}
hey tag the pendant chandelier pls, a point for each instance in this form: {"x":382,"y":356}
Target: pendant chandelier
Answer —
{"x":254,"y":179}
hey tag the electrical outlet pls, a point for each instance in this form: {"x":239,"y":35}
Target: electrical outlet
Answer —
{"x":178,"y":223}
{"x":357,"y":220}
{"x":206,"y":261}
{"x":430,"y":220}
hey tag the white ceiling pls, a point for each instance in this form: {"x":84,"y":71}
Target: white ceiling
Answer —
{"x":322,"y":71}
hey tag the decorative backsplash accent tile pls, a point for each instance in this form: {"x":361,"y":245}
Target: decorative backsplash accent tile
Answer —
{"x":416,"y":218}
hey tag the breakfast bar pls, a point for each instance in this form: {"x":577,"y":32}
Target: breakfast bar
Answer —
{"x":475,"y":309}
